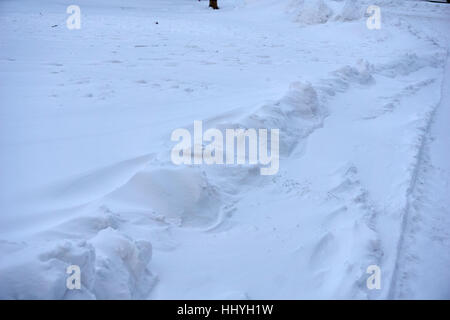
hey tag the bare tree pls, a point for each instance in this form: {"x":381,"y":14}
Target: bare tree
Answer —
{"x":213,"y":4}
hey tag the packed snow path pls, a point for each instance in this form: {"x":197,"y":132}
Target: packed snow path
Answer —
{"x":85,"y":149}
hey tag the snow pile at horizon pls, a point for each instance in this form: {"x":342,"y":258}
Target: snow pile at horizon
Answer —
{"x":310,"y":12}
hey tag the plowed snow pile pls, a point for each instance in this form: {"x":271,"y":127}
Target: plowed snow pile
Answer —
{"x":87,"y":177}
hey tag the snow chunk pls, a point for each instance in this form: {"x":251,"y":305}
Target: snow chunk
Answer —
{"x":351,"y":11}
{"x":312,"y":12}
{"x":121,"y":267}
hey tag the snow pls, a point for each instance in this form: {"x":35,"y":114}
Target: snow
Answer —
{"x":87,"y":177}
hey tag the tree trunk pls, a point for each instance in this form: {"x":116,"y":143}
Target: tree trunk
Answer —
{"x":213,"y":4}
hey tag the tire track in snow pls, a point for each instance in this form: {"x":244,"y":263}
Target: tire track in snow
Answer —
{"x":405,"y":253}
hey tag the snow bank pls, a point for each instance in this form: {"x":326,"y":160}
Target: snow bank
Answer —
{"x":296,"y":114}
{"x":300,"y":111}
{"x":181,"y":196}
{"x":350,"y":238}
{"x":408,"y":63}
{"x":311,"y":12}
{"x":113,"y":266}
{"x":310,"y":231}
{"x":121,"y":266}
{"x":38,"y":271}
{"x":352,"y":10}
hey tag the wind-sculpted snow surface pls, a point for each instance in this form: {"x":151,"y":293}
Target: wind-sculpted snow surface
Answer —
{"x":312,"y":12}
{"x":91,"y":182}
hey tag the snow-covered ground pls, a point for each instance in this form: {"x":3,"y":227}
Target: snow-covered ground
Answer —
{"x":85,"y":139}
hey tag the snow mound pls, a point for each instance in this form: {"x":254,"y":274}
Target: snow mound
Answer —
{"x":121,"y":266}
{"x":296,"y":114}
{"x":342,"y":78}
{"x":312,"y":12}
{"x":300,"y":111}
{"x":409,"y":63}
{"x":350,"y":238}
{"x":112,"y":266}
{"x":360,"y":74}
{"x":181,"y":196}
{"x":352,"y":10}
